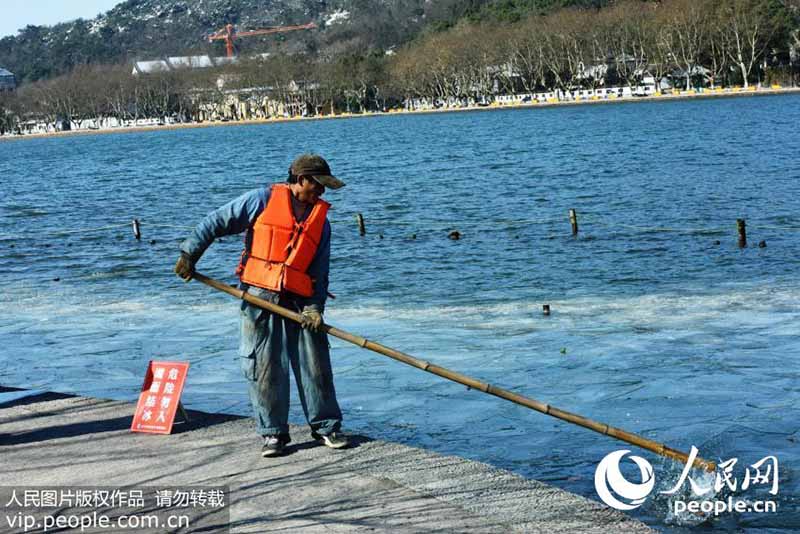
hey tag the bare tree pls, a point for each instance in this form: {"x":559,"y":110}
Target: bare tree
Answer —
{"x":629,"y":39}
{"x":527,"y":48}
{"x":749,"y":25}
{"x":8,"y":117}
{"x":794,"y":53}
{"x":717,"y":54}
{"x":409,"y":74}
{"x":565,"y":48}
{"x":686,"y":34}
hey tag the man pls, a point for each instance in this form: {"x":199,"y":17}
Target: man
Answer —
{"x":285,"y":261}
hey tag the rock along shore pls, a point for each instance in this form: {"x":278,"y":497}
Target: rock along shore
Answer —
{"x":57,"y":440}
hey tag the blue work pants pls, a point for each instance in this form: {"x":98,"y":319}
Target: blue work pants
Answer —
{"x":269,"y":345}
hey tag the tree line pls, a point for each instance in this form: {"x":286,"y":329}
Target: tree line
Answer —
{"x":688,"y":42}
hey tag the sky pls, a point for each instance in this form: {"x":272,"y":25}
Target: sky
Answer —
{"x":16,"y":14}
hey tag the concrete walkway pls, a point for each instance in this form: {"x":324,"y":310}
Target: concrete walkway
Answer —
{"x":60,"y":440}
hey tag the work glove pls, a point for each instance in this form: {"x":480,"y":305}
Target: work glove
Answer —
{"x":184,"y":267}
{"x":311,"y":319}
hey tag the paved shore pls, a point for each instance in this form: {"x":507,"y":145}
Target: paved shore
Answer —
{"x":684,"y":95}
{"x":51,"y":439}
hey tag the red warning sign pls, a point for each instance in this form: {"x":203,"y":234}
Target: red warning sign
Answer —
{"x":160,"y":396}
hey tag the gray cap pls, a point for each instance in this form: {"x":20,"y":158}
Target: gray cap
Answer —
{"x":316,"y":167}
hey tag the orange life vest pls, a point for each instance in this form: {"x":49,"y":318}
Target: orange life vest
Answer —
{"x":281,"y":249}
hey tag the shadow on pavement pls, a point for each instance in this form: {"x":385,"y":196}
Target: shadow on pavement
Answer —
{"x":196,"y":421}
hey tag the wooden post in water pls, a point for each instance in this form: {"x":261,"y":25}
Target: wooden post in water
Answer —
{"x":573,"y":220}
{"x":362,"y":230}
{"x":137,"y":232}
{"x":742,"y":227}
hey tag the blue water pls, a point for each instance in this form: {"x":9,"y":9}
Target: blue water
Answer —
{"x":655,"y":328}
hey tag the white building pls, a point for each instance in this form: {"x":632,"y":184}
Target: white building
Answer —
{"x":8,"y":82}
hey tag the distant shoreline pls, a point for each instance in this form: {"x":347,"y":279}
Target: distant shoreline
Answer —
{"x":726,"y":93}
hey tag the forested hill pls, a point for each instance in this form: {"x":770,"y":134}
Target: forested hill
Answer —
{"x":143,"y":29}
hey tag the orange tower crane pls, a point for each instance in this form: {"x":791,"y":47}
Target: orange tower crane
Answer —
{"x":229,"y":34}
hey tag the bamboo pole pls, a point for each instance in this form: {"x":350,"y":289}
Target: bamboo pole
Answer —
{"x":602,"y":428}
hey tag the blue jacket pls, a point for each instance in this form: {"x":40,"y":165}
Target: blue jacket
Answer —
{"x":238,"y":216}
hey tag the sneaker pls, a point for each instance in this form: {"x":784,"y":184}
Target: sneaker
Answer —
{"x":274,"y":445}
{"x":334,"y":440}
